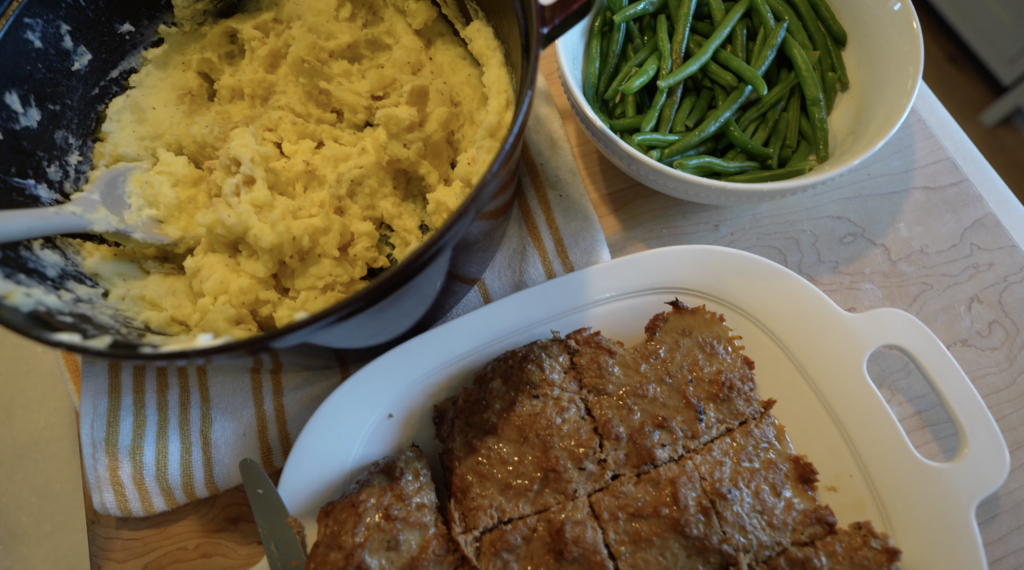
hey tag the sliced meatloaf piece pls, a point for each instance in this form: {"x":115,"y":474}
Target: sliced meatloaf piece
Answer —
{"x":661,"y":519}
{"x":565,"y":537}
{"x":517,"y":441}
{"x":686,"y":385}
{"x":388,"y":518}
{"x":764,"y":494}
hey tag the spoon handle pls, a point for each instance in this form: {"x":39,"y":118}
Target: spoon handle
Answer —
{"x":30,"y":223}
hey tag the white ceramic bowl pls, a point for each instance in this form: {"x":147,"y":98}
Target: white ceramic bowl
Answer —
{"x":884,"y":57}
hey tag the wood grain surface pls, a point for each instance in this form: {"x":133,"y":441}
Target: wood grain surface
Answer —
{"x":906,"y":229}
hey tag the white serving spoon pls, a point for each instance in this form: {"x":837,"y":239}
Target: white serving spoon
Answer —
{"x":100,"y":209}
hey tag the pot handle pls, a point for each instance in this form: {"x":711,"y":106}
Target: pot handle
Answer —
{"x":557,"y":16}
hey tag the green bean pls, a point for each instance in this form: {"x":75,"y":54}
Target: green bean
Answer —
{"x":631,"y":30}
{"x":654,"y":111}
{"x":716,"y":39}
{"x":590,"y":78}
{"x":805,"y":128}
{"x":702,"y":28}
{"x":756,"y":176}
{"x":634,"y":32}
{"x":684,"y":17}
{"x":831,"y":81}
{"x":664,"y":45}
{"x":814,"y":97}
{"x":714,"y":121}
{"x":814,"y":31}
{"x":771,"y":118}
{"x":736,"y":65}
{"x":641,"y":8}
{"x":679,"y":123}
{"x":742,"y":142}
{"x":785,"y":154}
{"x":654,"y":154}
{"x":648,"y":30}
{"x":702,"y":165}
{"x":803,"y":150}
{"x":763,"y":14}
{"x":665,"y":66}
{"x":776,"y":94}
{"x":656,"y":140}
{"x":750,"y":51}
{"x":829,"y":21}
{"x":673,"y":9}
{"x":631,"y":123}
{"x":608,"y":67}
{"x":630,"y":99}
{"x":838,"y":63}
{"x":717,"y":10}
{"x":643,"y":76}
{"x":739,"y":41}
{"x":700,"y":108}
{"x":777,"y":138}
{"x":719,"y":95}
{"x":759,"y":41}
{"x":793,"y":108}
{"x":748,"y":132}
{"x":703,"y":148}
{"x":601,"y":116}
{"x":703,"y":11}
{"x":782,"y":11}
{"x":629,"y":140}
{"x":619,"y":110}
{"x":720,"y":75}
{"x":643,"y":101}
{"x":627,"y":68}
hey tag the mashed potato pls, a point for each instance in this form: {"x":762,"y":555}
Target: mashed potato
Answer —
{"x":292,"y":152}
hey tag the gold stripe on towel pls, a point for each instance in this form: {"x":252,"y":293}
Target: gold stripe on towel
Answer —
{"x":485,"y":293}
{"x":188,"y":476}
{"x":138,"y":441}
{"x":163,"y":424}
{"x":258,"y":406}
{"x":544,"y":201}
{"x":277,"y":389}
{"x":481,"y":287}
{"x":112,"y":436}
{"x":206,"y":430}
{"x":538,"y":242}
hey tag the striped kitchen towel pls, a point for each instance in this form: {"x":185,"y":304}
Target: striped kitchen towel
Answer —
{"x":154,"y":438}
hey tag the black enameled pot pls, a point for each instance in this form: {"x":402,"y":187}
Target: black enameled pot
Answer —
{"x":63,"y":59}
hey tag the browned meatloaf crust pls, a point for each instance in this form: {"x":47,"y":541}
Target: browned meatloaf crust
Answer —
{"x":517,"y":440}
{"x":859,"y":548}
{"x":388,"y":518}
{"x":688,"y":384}
{"x":763,"y":493}
{"x":566,"y":537}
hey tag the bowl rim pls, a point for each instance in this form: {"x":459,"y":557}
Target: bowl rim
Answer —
{"x":445,"y":237}
{"x":745,"y":191}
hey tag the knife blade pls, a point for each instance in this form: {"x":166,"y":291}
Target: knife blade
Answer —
{"x":281,"y":543}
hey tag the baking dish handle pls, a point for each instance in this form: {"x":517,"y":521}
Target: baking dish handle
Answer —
{"x":557,"y":16}
{"x":983,"y":462}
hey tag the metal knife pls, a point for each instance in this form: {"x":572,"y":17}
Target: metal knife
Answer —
{"x":281,"y":542}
